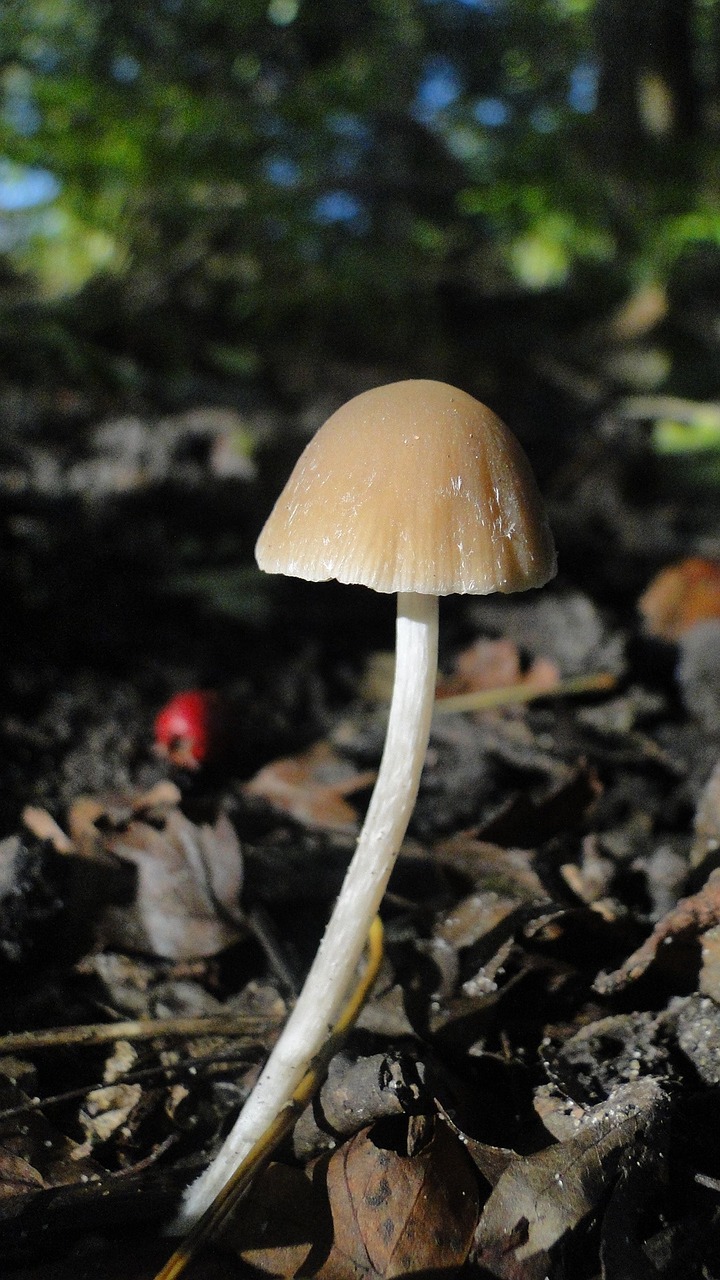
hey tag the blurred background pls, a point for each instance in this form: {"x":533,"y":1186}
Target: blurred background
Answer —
{"x":191,"y":192}
{"x":218,"y":220}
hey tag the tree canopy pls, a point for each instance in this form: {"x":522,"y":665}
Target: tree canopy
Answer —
{"x":197,"y":182}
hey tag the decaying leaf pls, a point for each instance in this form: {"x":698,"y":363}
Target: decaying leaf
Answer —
{"x":680,"y":596}
{"x":312,"y":788}
{"x":493,"y":664}
{"x":179,"y":896}
{"x":682,"y":926}
{"x":371,"y":1210}
{"x":284,"y":1227}
{"x":697,"y":1028}
{"x":356,"y":1093}
{"x":395,"y":1214}
{"x":491,"y":866}
{"x":187,"y":888}
{"x":602,"y":1054}
{"x":106,"y":1110}
{"x":539,"y":1198}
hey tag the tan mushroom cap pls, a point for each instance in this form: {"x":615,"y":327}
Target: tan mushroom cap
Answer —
{"x":414,"y":486}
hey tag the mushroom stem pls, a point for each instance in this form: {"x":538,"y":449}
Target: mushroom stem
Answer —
{"x":332,"y":970}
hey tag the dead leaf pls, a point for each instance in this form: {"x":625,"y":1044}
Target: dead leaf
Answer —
{"x":395,"y":1214}
{"x":539,"y":1198}
{"x":681,"y":595}
{"x":284,"y":1222}
{"x":496,"y":664}
{"x":188,"y":882}
{"x":691,"y":918}
{"x":312,"y":788}
{"x":697,"y":1028}
{"x":492,"y":1161}
{"x":356,"y":1093}
{"x":106,"y":1110}
{"x":44,"y":826}
{"x":17,"y":1175}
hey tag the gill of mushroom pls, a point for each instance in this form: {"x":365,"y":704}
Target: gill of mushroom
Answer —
{"x":414,"y":488}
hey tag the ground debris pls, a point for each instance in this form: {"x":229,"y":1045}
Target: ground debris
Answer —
{"x":181,"y":897}
{"x":541,"y":1198}
{"x":394,"y":1200}
{"x":673,"y":943}
{"x":312,"y":788}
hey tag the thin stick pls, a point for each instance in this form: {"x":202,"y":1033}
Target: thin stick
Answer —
{"x":226,"y":1024}
{"x":224,"y":1203}
{"x":486,"y":699}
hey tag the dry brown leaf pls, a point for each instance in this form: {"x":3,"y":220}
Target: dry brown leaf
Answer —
{"x":491,"y":866}
{"x":395,"y":1214}
{"x":681,"y":595}
{"x":541,"y":1197}
{"x":188,"y":882}
{"x":496,"y":664}
{"x":106,"y":1110}
{"x":312,"y":788}
{"x":17,"y":1175}
{"x":284,"y":1222}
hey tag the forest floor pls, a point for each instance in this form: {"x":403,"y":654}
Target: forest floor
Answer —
{"x":533,"y":1088}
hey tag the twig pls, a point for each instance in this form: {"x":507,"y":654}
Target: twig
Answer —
{"x":168,"y":1074}
{"x":227,"y":1024}
{"x":486,"y":699}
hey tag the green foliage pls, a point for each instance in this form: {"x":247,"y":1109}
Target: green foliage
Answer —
{"x":232,"y":175}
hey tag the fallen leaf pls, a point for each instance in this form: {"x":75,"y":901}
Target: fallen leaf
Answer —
{"x":681,"y":595}
{"x":356,"y":1093}
{"x":188,"y":882}
{"x":491,"y":867}
{"x":495,"y":664}
{"x":17,"y":1175}
{"x":106,"y":1110}
{"x":395,"y":1214}
{"x":539,"y":1198}
{"x":697,"y":1028}
{"x":312,"y":788}
{"x":284,"y":1223}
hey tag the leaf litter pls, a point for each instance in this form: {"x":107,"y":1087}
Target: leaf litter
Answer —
{"x":521,"y":1096}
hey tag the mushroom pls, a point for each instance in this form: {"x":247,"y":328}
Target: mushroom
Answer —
{"x":414,"y":488}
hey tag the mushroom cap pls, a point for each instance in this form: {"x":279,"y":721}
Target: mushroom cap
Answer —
{"x":414,"y":486}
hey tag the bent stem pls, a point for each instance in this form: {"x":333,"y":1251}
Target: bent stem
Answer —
{"x":332,"y":970}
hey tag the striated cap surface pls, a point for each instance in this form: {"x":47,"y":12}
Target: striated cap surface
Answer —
{"x":415,"y":486}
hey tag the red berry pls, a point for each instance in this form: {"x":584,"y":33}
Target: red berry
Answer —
{"x":189,"y":728}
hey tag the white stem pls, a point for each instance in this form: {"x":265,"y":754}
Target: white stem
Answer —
{"x":334,"y":966}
